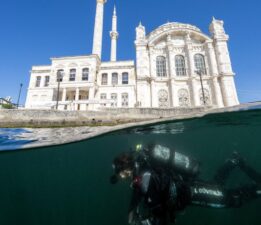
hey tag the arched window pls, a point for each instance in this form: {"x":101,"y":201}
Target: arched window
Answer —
{"x":104,"y":79}
{"x":180,"y":65}
{"x":163,"y":99}
{"x":72,"y":74}
{"x":85,"y":74}
{"x":60,"y":75}
{"x":200,"y":64}
{"x":114,"y":79}
{"x":161,"y":66}
{"x":205,"y":98}
{"x":183,"y":98}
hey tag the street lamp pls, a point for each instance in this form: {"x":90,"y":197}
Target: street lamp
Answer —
{"x":199,"y":72}
{"x":59,"y":79}
{"x":18,"y":100}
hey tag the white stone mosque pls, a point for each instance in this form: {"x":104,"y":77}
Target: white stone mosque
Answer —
{"x":176,"y":66}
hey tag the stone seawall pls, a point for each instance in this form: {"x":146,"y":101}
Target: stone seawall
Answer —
{"x":53,"y":118}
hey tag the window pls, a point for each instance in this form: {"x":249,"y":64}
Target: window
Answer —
{"x":60,"y":74}
{"x":114,"y":99}
{"x":85,"y":74}
{"x":200,"y":64}
{"x":125,"y":100}
{"x":104,"y":79}
{"x":161,"y":66}
{"x":103,"y":97}
{"x":180,"y":65}
{"x":47,"y":80}
{"x":125,"y":78}
{"x":114,"y":79}
{"x":163,"y":99}
{"x":183,"y":98}
{"x":72,"y":74}
{"x":204,"y":97}
{"x":38,"y":82}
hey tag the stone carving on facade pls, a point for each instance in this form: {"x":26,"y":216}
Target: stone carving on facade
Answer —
{"x":198,"y":48}
{"x":184,"y":100}
{"x":163,"y":99}
{"x":179,"y":50}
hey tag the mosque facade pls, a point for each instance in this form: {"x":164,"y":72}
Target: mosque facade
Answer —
{"x":176,"y":65}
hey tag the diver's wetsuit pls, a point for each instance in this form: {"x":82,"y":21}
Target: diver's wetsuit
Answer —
{"x":164,"y":193}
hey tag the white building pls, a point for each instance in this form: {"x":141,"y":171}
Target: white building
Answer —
{"x":176,"y":66}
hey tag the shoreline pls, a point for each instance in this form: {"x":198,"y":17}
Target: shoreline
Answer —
{"x":67,"y":135}
{"x":23,"y":118}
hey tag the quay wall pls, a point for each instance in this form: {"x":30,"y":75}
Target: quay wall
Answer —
{"x":109,"y":116}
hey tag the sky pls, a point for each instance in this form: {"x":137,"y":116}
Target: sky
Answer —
{"x":33,"y":31}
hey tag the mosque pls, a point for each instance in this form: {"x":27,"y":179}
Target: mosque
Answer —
{"x":176,"y":66}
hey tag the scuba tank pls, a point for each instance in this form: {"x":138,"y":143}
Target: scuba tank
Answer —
{"x":179,"y":162}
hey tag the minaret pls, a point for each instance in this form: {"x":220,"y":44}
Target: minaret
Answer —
{"x":98,"y":28}
{"x":114,"y":36}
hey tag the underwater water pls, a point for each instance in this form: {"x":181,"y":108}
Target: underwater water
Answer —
{"x":69,"y":184}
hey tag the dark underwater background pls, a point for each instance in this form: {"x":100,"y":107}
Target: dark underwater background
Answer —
{"x":69,"y":184}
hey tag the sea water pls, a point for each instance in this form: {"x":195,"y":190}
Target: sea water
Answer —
{"x":69,"y":184}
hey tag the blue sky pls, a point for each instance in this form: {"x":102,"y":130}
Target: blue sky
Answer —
{"x":32,"y":31}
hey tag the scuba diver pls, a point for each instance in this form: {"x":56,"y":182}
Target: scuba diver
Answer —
{"x":165,"y":182}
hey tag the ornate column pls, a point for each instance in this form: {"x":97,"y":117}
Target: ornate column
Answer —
{"x":224,"y":91}
{"x":171,"y":82}
{"x":195,"y":93}
{"x":214,"y":73}
{"x":193,"y":81}
{"x":212,"y":58}
{"x":218,"y":93}
{"x":189,"y":54}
